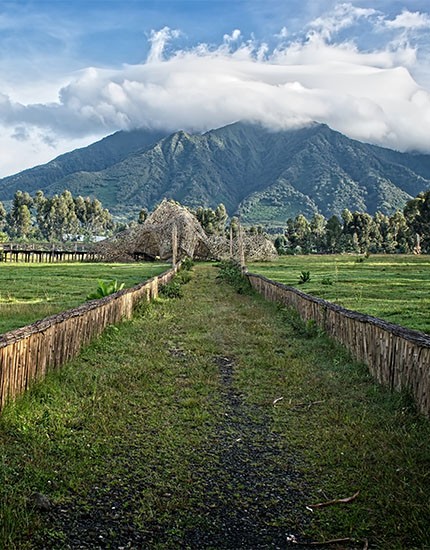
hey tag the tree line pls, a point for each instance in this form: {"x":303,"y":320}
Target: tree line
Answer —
{"x":57,"y":218}
{"x":64,"y":217}
{"x":402,"y":232}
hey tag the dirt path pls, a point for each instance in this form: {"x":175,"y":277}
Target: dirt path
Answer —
{"x":243,"y":489}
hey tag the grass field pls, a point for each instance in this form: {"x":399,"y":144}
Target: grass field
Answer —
{"x":391,"y":287}
{"x":29,"y":292}
{"x":153,"y":444}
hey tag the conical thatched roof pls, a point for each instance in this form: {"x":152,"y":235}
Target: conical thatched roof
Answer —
{"x":153,"y":239}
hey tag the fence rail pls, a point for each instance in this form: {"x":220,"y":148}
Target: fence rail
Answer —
{"x":397,"y":357}
{"x":28,"y":353}
{"x":47,"y":252}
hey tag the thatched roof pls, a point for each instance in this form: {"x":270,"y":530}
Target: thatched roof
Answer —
{"x":257,"y":248}
{"x":153,"y":239}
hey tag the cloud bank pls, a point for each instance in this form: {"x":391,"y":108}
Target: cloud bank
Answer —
{"x":368,"y":94}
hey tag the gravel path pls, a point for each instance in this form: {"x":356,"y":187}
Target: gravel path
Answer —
{"x":246,"y":464}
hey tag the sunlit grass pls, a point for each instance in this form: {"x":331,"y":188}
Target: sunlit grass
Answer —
{"x":395,"y":288}
{"x":142,"y":420}
{"x":29,"y":292}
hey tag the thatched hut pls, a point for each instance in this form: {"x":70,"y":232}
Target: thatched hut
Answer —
{"x":153,"y":239}
{"x":172,"y":222}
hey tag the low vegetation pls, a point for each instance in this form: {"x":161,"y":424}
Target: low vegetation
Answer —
{"x":105,"y":288}
{"x":231,"y":272}
{"x":175,"y":428}
{"x":29,"y":292}
{"x":392,"y":287}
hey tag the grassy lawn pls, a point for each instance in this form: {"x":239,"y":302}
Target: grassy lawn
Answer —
{"x":391,"y":287}
{"x":210,"y":421}
{"x":29,"y":292}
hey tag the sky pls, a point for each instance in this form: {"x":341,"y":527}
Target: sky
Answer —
{"x":72,"y":72}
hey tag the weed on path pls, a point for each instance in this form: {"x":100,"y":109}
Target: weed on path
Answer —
{"x":209,"y":421}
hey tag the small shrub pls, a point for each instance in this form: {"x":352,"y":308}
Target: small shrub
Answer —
{"x":307,"y":329}
{"x":172,"y":289}
{"x":304,"y":277}
{"x":183,"y":277}
{"x":105,"y":288}
{"x":231,"y":273}
{"x":186,"y":264}
{"x":326,"y":281}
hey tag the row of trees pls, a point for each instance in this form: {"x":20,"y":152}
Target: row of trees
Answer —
{"x":58,"y":218}
{"x":359,"y":232}
{"x":64,"y":217}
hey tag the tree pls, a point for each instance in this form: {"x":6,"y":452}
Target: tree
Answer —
{"x":302,"y":233}
{"x":401,"y":233}
{"x":380,"y":237}
{"x":19,"y":218}
{"x":212,"y":221}
{"x":94,"y":219}
{"x":143,"y":214}
{"x":357,"y":226}
{"x":220,"y":219}
{"x":417,"y":214}
{"x":333,"y":234}
{"x":234,"y":226}
{"x":281,"y":244}
{"x":19,"y":222}
{"x":2,"y":216}
{"x":317,"y":233}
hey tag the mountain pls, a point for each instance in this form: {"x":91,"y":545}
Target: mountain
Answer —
{"x":97,"y":156}
{"x":265,"y":176}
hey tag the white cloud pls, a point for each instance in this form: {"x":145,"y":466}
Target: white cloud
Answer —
{"x":409,"y":20}
{"x":369,"y":95}
{"x":158,"y":40}
{"x":233,"y":37}
{"x":341,"y":17}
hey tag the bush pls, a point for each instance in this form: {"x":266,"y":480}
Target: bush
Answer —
{"x":183,"y":277}
{"x":172,"y":289}
{"x":306,"y":329}
{"x":305,"y":277}
{"x":105,"y":288}
{"x":187,"y":263}
{"x":231,"y":273}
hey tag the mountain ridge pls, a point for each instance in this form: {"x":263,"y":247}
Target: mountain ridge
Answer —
{"x":263,"y":175}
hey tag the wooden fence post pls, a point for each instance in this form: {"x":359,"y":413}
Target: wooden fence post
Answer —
{"x":174,"y":245}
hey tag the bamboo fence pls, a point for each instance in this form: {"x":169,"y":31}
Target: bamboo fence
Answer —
{"x":26,"y":354}
{"x":397,"y":357}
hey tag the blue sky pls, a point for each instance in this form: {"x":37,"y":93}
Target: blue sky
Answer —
{"x":74,"y":71}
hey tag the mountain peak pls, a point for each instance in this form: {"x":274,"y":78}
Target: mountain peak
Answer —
{"x":266,"y":175}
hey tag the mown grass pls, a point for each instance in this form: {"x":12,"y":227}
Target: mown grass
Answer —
{"x":137,"y":413}
{"x":29,"y":292}
{"x":392,"y":287}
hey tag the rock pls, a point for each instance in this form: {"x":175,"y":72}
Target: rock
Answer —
{"x":41,"y":502}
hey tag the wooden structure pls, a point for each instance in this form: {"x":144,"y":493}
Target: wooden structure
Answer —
{"x":397,"y":357}
{"x":39,"y":253}
{"x":28,"y":353}
{"x":170,"y":229}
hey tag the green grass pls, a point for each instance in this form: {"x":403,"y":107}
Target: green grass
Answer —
{"x":29,"y":292}
{"x":391,"y":287}
{"x":141,"y":414}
